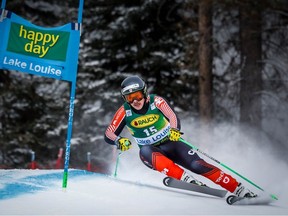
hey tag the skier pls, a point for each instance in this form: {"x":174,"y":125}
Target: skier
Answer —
{"x":156,"y":129}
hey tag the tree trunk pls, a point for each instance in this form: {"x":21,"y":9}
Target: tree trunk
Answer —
{"x":251,"y":77}
{"x":205,"y":61}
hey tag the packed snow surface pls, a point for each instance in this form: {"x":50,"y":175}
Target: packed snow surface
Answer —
{"x":39,"y":192}
{"x":138,"y":190}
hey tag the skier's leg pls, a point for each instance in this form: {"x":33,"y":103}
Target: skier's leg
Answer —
{"x":214,"y":174}
{"x":183,"y":155}
{"x":221,"y":178}
{"x":186,"y":157}
{"x":155,"y":159}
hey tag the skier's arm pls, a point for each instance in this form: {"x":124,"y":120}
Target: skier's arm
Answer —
{"x":115,"y":127}
{"x":168,"y":111}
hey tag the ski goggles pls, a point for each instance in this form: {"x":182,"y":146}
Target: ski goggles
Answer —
{"x":134,"y":96}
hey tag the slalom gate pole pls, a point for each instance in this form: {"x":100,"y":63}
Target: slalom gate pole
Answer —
{"x":80,"y":10}
{"x":117,"y":164}
{"x":69,"y":135}
{"x":71,"y":111}
{"x":228,"y":168}
{"x":3,"y":4}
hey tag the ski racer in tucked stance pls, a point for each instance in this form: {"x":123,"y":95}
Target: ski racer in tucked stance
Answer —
{"x":156,"y":129}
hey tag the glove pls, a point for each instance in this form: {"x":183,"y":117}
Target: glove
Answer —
{"x":123,"y":144}
{"x":174,"y":134}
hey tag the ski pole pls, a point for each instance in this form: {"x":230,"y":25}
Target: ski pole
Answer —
{"x":117,"y":164}
{"x":215,"y":160}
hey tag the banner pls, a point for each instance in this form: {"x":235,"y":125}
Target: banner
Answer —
{"x":49,"y":52}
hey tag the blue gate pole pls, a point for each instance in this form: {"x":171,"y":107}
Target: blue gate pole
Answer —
{"x":80,"y":11}
{"x":3,"y":4}
{"x":69,"y":134}
{"x":71,"y":113}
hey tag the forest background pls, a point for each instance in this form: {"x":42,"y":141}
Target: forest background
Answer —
{"x":214,"y":61}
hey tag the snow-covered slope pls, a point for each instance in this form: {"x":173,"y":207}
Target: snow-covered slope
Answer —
{"x":39,"y":192}
{"x":138,"y":190}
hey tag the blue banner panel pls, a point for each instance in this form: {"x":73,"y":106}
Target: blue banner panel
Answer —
{"x":49,"y":52}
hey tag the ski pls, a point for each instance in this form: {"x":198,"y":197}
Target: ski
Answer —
{"x":258,"y":200}
{"x":174,"y":183}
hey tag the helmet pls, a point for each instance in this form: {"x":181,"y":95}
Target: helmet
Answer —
{"x":133,"y":84}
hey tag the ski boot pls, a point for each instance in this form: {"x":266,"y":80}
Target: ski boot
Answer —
{"x":241,"y":191}
{"x":190,"y":179}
